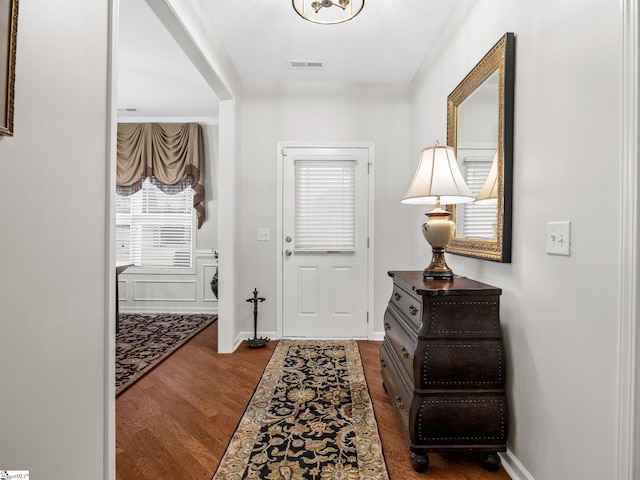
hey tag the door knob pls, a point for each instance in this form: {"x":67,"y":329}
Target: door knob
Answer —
{"x":287,"y":252}
{"x":287,"y":239}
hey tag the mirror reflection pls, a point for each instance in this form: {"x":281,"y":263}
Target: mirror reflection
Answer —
{"x":477,"y":145}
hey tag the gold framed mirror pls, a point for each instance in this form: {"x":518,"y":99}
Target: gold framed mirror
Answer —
{"x":480,"y":129}
{"x":9,"y":35}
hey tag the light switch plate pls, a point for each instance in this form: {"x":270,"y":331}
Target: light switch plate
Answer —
{"x":264,"y":234}
{"x":559,"y":238}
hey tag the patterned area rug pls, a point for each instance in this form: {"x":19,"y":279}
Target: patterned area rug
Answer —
{"x":310,"y":417}
{"x":144,"y":340}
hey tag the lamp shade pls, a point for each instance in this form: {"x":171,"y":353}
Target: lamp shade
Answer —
{"x":437,"y":179}
{"x":489,"y":193}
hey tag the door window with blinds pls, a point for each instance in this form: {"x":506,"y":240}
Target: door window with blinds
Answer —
{"x":155,"y":228}
{"x":476,"y":220}
{"x":325,"y":193}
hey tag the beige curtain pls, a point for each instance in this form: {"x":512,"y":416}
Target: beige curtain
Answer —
{"x":172,"y":153}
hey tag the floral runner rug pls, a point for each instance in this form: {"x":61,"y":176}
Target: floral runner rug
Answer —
{"x":144,"y":340}
{"x":310,"y":417}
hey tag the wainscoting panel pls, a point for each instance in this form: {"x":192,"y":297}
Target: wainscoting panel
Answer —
{"x":169,"y":292}
{"x":122,"y":290}
{"x":164,"y":291}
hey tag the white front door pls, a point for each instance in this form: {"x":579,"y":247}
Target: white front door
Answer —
{"x":324,"y":242}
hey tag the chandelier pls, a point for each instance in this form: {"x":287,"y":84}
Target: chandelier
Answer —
{"x":322,"y":11}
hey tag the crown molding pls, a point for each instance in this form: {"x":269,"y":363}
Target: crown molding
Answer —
{"x":200,"y":120}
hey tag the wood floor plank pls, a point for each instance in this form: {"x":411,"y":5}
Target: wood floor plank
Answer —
{"x":175,"y":422}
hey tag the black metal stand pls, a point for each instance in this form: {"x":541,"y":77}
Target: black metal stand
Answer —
{"x":256,"y":342}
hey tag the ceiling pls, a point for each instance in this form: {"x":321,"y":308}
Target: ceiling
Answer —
{"x":384,"y":44}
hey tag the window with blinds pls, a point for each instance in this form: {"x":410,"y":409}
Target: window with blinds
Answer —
{"x":476,"y":220}
{"x":154,"y":227}
{"x":325,"y":194}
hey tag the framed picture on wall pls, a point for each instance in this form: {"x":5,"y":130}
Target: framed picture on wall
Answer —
{"x":8,"y":36}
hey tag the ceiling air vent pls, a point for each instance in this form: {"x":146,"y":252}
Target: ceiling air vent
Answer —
{"x":305,"y":65}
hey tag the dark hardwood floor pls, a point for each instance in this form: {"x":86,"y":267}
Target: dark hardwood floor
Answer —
{"x":175,"y":423}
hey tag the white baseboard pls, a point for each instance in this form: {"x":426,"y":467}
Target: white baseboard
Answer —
{"x":513,"y":467}
{"x":378,"y":336}
{"x":242,"y":336}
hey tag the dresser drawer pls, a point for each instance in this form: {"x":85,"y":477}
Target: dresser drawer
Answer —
{"x":399,"y":392}
{"x":409,"y":305}
{"x":445,"y":420}
{"x":401,"y":338}
{"x":471,"y":316}
{"x":460,"y":364}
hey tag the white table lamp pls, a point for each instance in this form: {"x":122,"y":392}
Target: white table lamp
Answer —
{"x":438,"y":180}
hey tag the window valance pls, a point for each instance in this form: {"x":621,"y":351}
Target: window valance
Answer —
{"x":170,"y":153}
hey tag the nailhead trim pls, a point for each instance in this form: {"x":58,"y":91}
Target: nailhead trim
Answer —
{"x":424,"y":403}
{"x":425,"y":361}
{"x":457,"y":332}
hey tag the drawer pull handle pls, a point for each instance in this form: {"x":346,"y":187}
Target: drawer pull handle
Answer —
{"x":387,"y":326}
{"x":405,"y":352}
{"x":398,"y":296}
{"x":413,"y":310}
{"x":399,"y":403}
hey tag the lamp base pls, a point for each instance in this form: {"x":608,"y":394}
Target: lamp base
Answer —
{"x":438,"y":268}
{"x":438,"y":230}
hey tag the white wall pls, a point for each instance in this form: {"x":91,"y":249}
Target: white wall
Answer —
{"x":188,"y":24}
{"x":559,"y":313}
{"x":320,"y":113}
{"x":53,"y":300}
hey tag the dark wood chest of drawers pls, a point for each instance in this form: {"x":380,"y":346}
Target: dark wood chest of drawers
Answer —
{"x":443,"y":366}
